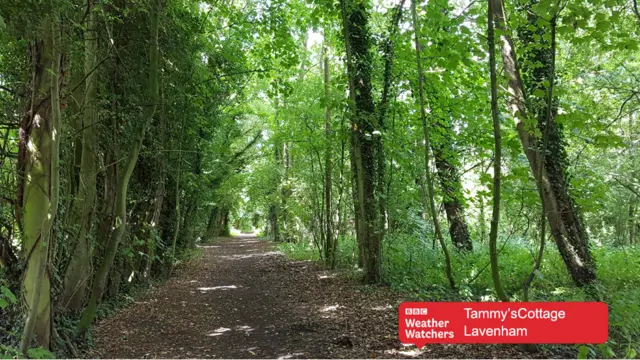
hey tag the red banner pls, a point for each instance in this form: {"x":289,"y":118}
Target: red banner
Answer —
{"x":423,"y":323}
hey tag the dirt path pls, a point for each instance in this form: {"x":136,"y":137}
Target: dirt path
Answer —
{"x":242,"y":299}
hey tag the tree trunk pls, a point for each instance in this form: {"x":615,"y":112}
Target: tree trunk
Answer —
{"x":155,"y":220}
{"x":79,"y":269}
{"x":452,"y":189}
{"x":631,"y":221}
{"x":497,"y":161}
{"x":633,"y":200}
{"x":38,"y":164}
{"x":366,"y":135}
{"x":178,"y":220}
{"x":329,"y":244}
{"x":564,"y":218}
{"x":100,"y":278}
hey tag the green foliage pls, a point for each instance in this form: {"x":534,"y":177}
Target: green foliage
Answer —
{"x":300,"y":251}
{"x":6,"y":297}
{"x":8,"y":352}
{"x":40,"y":353}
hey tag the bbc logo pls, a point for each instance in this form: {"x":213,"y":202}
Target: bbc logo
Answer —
{"x":416,"y":311}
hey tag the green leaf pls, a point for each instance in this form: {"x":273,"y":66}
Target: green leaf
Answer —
{"x":8,"y":294}
{"x":603,"y":26}
{"x":583,"y":352}
{"x":539,"y":93}
{"x":606,"y":351}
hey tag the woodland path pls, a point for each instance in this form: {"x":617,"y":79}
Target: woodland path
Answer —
{"x":243,"y":299}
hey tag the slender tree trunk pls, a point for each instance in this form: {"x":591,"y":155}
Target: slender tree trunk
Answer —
{"x":564,"y":218}
{"x":482,"y":223}
{"x":341,"y":207}
{"x":330,"y":245}
{"x":286,"y":192}
{"x":77,"y":275}
{"x":38,"y":194}
{"x":158,"y":202}
{"x":427,"y":149}
{"x":497,"y":161}
{"x":357,"y":216}
{"x":274,"y":207}
{"x":100,"y":279}
{"x":160,"y":192}
{"x":633,"y":201}
{"x":176,"y":230}
{"x":178,"y":217}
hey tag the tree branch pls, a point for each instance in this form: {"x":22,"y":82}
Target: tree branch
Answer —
{"x":627,"y":186}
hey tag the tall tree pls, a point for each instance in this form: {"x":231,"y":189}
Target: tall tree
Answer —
{"x":564,"y":217}
{"x":366,"y":135}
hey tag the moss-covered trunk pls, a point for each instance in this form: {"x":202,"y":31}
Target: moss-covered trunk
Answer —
{"x":366,"y":137}
{"x":38,"y":191}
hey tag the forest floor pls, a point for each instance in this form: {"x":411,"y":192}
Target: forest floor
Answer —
{"x":243,"y":299}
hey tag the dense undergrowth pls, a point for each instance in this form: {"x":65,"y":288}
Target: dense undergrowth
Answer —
{"x":413,"y":265}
